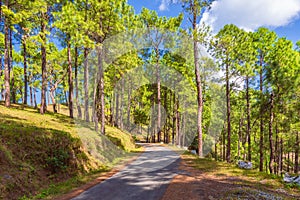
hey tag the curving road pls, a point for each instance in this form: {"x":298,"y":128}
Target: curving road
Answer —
{"x":146,"y":178}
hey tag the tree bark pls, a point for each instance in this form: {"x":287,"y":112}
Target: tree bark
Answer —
{"x":34,"y":98}
{"x":296,"y":168}
{"x":44,"y":69}
{"x":216,"y":151}
{"x":158,"y":82}
{"x":281,"y":154}
{"x":174,"y":120}
{"x":101,"y":89}
{"x":178,"y":125}
{"x":31,"y":100}
{"x":79,"y":115}
{"x":1,"y":57}
{"x":53,"y":100}
{"x":248,"y":118}
{"x":166,"y":107}
{"x":224,"y":144}
{"x":288,"y":161}
{"x":86,"y":86}
{"x":12,"y":78}
{"x":112,"y":109}
{"x":25,"y":69}
{"x":228,"y":114}
{"x":122,"y":103}
{"x":6,"y":63}
{"x":271,"y":134}
{"x":117,"y":109}
{"x":94,"y":109}
{"x":276,"y":152}
{"x":261,"y":112}
{"x":52,"y":91}
{"x":70,"y":81}
{"x":198,"y":85}
{"x":128,"y":105}
{"x":240,"y":135}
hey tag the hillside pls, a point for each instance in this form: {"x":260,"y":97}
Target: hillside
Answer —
{"x":37,"y":151}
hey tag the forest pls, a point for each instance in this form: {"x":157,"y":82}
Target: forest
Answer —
{"x":231,"y":95}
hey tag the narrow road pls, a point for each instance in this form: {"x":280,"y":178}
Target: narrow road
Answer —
{"x":146,"y":178}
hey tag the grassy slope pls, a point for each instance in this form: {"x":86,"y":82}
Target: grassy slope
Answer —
{"x":252,"y":179}
{"x":39,"y":150}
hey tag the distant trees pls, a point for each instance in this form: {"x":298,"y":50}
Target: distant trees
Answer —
{"x":261,"y":67}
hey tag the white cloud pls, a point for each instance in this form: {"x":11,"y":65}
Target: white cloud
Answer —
{"x":251,"y":14}
{"x":164,"y":5}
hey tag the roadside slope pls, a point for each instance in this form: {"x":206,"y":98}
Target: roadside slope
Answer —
{"x":39,"y":151}
{"x":207,"y":179}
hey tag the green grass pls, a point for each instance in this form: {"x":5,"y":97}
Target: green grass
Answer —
{"x":51,"y":153}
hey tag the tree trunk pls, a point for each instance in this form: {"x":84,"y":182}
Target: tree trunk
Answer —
{"x":271,"y":134}
{"x":128,"y":105}
{"x":122,"y":103}
{"x":276,"y":153}
{"x":166,"y":107}
{"x":70,"y":81}
{"x":224,"y":145}
{"x":198,"y":85}
{"x":79,"y":114}
{"x":1,"y":73}
{"x":248,"y":118}
{"x":112,"y":109}
{"x":216,"y":151}
{"x":240,"y":136}
{"x":86,"y":86}
{"x":117,"y":109}
{"x":281,"y":154}
{"x":228,"y":115}
{"x":158,"y":82}
{"x":296,"y":168}
{"x":288,"y":161}
{"x":13,"y":89}
{"x":101,"y":89}
{"x":31,"y":100}
{"x":6,"y":63}
{"x":25,"y":70}
{"x":44,"y":69}
{"x":34,"y":98}
{"x":178,"y":131}
{"x":174,"y":120}
{"x":183,"y":130}
{"x":53,"y":100}
{"x":261,"y":140}
{"x":94,"y":109}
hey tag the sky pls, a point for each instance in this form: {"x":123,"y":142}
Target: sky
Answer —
{"x":281,"y":16}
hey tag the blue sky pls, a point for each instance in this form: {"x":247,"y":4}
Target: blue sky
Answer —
{"x":281,"y":16}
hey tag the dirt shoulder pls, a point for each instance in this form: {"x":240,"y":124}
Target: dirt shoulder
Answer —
{"x":192,"y":183}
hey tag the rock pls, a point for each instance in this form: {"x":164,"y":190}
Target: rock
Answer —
{"x":193,"y":152}
{"x":244,"y":164}
{"x":291,"y":179}
{"x":6,"y":176}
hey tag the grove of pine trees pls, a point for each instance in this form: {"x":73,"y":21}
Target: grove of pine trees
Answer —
{"x":45,"y":51}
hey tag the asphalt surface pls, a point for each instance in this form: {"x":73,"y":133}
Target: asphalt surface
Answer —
{"x":146,"y":178}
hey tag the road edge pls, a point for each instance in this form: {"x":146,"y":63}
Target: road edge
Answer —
{"x":77,"y":191}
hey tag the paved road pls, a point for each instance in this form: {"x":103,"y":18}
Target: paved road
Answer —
{"x":144,"y":179}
